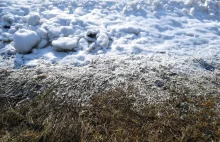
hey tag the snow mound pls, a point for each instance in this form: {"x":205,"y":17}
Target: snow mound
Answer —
{"x":65,"y":44}
{"x":25,"y":40}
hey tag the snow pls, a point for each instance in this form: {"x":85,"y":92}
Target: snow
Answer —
{"x":42,"y":32}
{"x":25,"y":40}
{"x":65,"y":44}
{"x":42,"y":43}
{"x":79,"y":11}
{"x":103,"y":40}
{"x":83,"y":44}
{"x":34,"y":19}
{"x":8,"y":18}
{"x":6,"y":36}
{"x":91,"y":35}
{"x":132,"y":29}
{"x":7,"y":50}
{"x":67,"y":31}
{"x":75,"y":32}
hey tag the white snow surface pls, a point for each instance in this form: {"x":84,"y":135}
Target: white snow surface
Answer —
{"x":75,"y":32}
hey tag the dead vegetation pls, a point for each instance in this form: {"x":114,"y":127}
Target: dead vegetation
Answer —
{"x":110,"y":117}
{"x":190,"y":114}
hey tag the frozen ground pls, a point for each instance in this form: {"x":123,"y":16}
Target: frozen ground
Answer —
{"x":149,"y":80}
{"x":75,"y":33}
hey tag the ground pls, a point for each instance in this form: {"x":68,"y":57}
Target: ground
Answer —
{"x":91,"y":103}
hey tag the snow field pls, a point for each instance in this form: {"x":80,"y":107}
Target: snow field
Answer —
{"x":74,"y":32}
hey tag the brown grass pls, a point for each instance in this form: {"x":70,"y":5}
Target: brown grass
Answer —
{"x":110,"y":117}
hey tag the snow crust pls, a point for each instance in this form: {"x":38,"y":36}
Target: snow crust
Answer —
{"x":75,"y":32}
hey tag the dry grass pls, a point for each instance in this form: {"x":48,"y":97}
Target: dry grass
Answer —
{"x":111,"y":116}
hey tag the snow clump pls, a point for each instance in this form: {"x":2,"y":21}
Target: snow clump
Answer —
{"x":42,"y":43}
{"x":83,"y":44}
{"x":103,"y":40}
{"x":79,"y":11}
{"x":25,"y":40}
{"x":33,"y":20}
{"x":66,"y":31}
{"x":8,"y":19}
{"x":65,"y":43}
{"x":8,"y":50}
